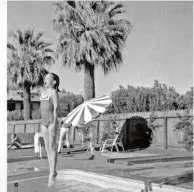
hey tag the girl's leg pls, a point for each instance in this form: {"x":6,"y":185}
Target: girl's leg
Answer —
{"x":62,"y":133}
{"x":45,"y":132}
{"x":18,"y":145}
{"x":11,"y":145}
{"x":53,"y":152}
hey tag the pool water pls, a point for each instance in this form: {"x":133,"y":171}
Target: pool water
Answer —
{"x":82,"y":181}
{"x":78,"y":186}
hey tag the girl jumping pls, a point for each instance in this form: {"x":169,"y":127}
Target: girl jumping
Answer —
{"x":49,"y":105}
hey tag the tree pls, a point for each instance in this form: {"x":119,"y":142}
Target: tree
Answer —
{"x":29,"y":57}
{"x":91,"y":34}
{"x":68,"y":101}
{"x":188,"y":98}
{"x":142,"y":99}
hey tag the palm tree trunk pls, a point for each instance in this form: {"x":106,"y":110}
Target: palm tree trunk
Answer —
{"x":89,"y":82}
{"x":27,"y":102}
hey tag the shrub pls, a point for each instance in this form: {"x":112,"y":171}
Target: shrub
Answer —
{"x":15,"y":115}
{"x":85,"y":130}
{"x":185,"y":125}
{"x":36,"y":114}
{"x":108,"y":129}
{"x":152,"y":122}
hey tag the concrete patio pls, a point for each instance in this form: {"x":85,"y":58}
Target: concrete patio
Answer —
{"x":23,"y":165}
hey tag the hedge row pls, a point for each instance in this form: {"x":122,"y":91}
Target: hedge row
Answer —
{"x":17,"y":115}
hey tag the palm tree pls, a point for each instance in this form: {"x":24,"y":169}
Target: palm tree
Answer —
{"x":29,"y":57}
{"x":91,"y":34}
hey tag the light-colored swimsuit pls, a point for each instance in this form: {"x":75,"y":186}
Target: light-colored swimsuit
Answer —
{"x":46,"y":109}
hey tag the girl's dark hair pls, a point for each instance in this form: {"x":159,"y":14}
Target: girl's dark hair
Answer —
{"x":56,"y":78}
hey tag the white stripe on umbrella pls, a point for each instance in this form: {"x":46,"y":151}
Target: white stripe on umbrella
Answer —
{"x":97,"y":108}
{"x":87,"y":115}
{"x":88,"y":110}
{"x":77,"y":117}
{"x":73,"y":113}
{"x":105,"y":102}
{"x":100,"y":98}
{"x":98,"y":105}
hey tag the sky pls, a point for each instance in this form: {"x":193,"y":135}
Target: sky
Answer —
{"x":159,"y":47}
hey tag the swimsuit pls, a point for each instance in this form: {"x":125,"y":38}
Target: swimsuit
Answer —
{"x":46,"y":109}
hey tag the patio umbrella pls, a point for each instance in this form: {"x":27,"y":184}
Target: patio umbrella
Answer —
{"x":88,"y":110}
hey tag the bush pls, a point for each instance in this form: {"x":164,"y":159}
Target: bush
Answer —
{"x":15,"y":115}
{"x":185,"y":125}
{"x":18,"y":115}
{"x":108,"y":128}
{"x":152,"y":122}
{"x":36,"y":114}
{"x":188,"y":139}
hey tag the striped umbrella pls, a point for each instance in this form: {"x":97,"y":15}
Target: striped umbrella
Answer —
{"x":88,"y":110}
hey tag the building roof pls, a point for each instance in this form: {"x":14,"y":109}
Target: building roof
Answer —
{"x":17,"y":95}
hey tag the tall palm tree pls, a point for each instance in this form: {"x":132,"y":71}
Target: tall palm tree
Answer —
{"x":29,"y":57}
{"x":91,"y":34}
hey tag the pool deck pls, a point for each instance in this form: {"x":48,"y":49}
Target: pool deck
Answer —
{"x":23,"y":165}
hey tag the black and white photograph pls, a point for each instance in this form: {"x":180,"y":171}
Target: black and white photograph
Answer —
{"x":99,"y":96}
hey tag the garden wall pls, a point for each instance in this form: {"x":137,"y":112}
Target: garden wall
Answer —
{"x":164,"y":136}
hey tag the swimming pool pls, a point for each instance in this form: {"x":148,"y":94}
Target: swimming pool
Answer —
{"x":78,"y":186}
{"x":82,"y":181}
{"x":71,"y":180}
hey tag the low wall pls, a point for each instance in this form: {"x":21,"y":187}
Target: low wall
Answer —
{"x":27,"y":129}
{"x":165,"y":136}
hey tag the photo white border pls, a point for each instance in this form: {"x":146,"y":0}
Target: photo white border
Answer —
{"x":3,"y":96}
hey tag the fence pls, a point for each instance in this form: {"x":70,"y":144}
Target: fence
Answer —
{"x":26,"y":130}
{"x":164,"y":136}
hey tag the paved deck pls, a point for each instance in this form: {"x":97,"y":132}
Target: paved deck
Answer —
{"x":23,"y":164}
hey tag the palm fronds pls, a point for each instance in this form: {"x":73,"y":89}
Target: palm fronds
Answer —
{"x":90,"y":32}
{"x":29,"y":56}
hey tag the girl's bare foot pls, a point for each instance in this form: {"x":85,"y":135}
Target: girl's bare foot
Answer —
{"x":52,"y":179}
